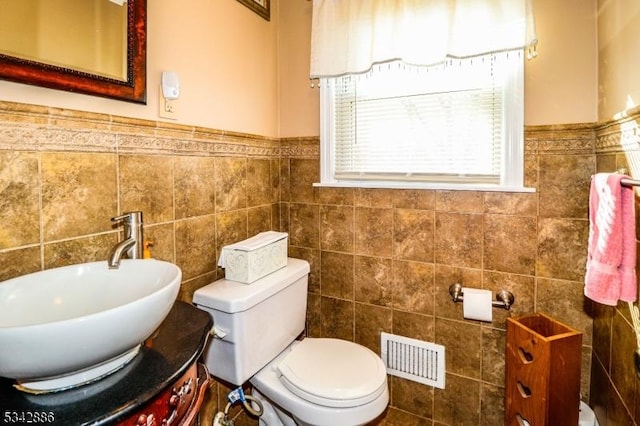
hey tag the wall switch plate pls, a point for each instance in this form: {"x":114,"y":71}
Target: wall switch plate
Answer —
{"x":168,"y":108}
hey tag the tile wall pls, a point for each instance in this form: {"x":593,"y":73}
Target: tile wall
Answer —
{"x":615,"y":387}
{"x":64,"y":174}
{"x":381,"y":259}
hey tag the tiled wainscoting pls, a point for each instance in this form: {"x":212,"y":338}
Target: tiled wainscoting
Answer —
{"x":382,"y":260}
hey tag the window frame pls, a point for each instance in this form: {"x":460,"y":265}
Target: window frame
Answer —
{"x":512,"y":164}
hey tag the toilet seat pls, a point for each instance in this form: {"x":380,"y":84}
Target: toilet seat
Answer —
{"x":333,"y":372}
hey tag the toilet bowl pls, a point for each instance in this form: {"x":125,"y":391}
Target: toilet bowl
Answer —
{"x":313,"y":381}
{"x":324,"y":382}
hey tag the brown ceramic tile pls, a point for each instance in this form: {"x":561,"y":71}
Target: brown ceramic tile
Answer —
{"x":275,"y":218}
{"x":336,"y":228}
{"x":146,"y":184}
{"x":260,"y":183}
{"x":373,"y":231}
{"x":259,"y":220}
{"x":161,"y":238}
{"x":413,"y":287}
{"x":196,"y":246}
{"x":458,"y":239}
{"x":414,"y":326}
{"x":304,"y":226}
{"x":463,"y":343}
{"x":195,"y":186}
{"x":281,"y":219}
{"x":314,"y":315}
{"x":531,"y":170}
{"x":284,"y":179}
{"x":459,"y":402}
{"x":626,"y":160}
{"x":78,"y":194}
{"x":600,"y":389}
{"x":19,"y":199}
{"x":337,"y":275}
{"x":622,"y":359}
{"x":603,"y":318}
{"x":370,"y":321}
{"x":414,"y":199}
{"x":15,"y":263}
{"x":510,"y":244}
{"x":565,"y":302}
{"x":313,"y":257}
{"x":606,"y":163}
{"x":491,"y":405}
{"x":459,"y":201}
{"x":231,"y":183}
{"x":336,"y":196}
{"x":412,"y":397}
{"x":413,"y":234}
{"x":513,"y":203}
{"x":585,"y":373}
{"x":382,"y":198}
{"x":395,"y":417}
{"x":493,"y":350}
{"x":304,"y":173}
{"x":445,"y":277}
{"x":617,"y":412}
{"x":337,"y":318}
{"x":562,"y":248}
{"x":274,"y":185}
{"x":521,"y":286}
{"x":373,"y":280}
{"x":564,"y":185}
{"x":187,"y":288}
{"x":80,"y":250}
{"x":230,"y":227}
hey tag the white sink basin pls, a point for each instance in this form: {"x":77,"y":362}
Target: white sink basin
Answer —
{"x":64,"y":327}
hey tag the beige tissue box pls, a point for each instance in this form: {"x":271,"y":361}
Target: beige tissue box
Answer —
{"x":249,"y":260}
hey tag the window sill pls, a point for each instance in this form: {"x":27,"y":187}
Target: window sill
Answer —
{"x":424,"y":185}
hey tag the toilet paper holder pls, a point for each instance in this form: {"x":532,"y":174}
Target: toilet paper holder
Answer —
{"x":504,"y":298}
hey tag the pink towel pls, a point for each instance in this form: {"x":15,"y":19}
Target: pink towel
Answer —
{"x":611,"y":256}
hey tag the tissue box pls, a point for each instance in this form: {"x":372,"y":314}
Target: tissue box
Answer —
{"x":249,"y":260}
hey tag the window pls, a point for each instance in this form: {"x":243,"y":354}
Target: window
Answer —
{"x":456,"y":125}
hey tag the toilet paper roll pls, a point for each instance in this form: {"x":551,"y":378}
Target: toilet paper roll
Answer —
{"x":476,"y":304}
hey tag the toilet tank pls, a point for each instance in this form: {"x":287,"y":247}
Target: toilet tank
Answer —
{"x":253,"y":322}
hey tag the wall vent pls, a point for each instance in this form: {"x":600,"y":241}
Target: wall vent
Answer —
{"x":413,"y":359}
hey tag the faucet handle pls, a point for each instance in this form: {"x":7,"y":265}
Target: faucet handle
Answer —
{"x":129,"y":217}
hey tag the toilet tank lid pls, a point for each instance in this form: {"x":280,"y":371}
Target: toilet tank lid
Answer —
{"x":232,"y":296}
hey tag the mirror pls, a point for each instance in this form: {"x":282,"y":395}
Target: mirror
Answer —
{"x":95,"y":47}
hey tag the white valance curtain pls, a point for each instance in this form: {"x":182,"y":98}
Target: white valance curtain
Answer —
{"x":349,"y":36}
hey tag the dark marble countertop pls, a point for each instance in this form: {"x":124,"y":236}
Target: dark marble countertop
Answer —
{"x":163,"y":358}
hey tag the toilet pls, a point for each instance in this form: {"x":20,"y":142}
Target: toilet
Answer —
{"x":313,"y":381}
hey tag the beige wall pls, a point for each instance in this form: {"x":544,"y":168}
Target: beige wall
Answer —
{"x":299,"y":102}
{"x":619,"y":62}
{"x":224,"y":54}
{"x":265,"y":90}
{"x":561,"y":83}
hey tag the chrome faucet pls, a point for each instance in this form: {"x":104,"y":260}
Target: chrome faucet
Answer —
{"x":133,"y":241}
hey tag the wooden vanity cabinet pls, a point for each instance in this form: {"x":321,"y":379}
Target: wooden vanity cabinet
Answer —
{"x":178,"y":404}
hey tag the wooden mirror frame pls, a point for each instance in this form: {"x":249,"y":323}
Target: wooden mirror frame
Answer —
{"x":54,"y":77}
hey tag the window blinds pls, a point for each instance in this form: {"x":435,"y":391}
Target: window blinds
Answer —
{"x":444,"y":123}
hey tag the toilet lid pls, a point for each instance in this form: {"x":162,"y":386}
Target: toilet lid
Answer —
{"x":333,"y":373}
